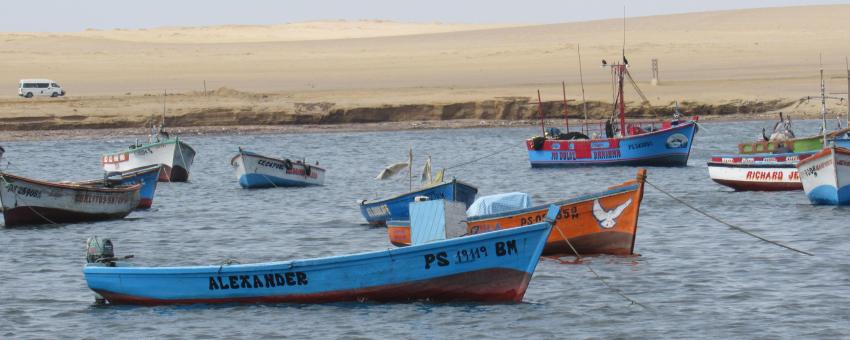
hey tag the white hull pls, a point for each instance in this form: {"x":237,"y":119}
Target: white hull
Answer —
{"x":753,"y":177}
{"x":175,"y":156}
{"x":826,"y":177}
{"x":27,"y":201}
{"x":255,"y":171}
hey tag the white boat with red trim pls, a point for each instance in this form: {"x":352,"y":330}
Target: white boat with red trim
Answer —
{"x":760,"y":172}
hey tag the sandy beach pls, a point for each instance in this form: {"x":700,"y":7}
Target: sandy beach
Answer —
{"x":741,"y":64}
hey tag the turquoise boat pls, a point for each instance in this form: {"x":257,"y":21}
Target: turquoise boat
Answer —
{"x":493,"y":267}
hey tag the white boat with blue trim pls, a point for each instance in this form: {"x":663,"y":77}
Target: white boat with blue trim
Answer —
{"x":257,"y":171}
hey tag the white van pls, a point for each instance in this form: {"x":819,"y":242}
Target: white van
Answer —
{"x":39,"y":87}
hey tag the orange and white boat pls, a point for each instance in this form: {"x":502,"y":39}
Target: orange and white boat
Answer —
{"x":598,"y":223}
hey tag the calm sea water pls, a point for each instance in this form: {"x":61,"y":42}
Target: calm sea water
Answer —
{"x":697,"y":278}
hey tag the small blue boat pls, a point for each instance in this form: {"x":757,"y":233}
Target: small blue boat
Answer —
{"x":378,"y":212}
{"x":147,"y":176}
{"x":493,"y":267}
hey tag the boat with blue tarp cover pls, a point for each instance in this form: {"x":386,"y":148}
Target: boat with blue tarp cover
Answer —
{"x":597,"y":223}
{"x":493,"y":267}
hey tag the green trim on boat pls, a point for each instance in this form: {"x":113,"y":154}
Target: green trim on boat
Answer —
{"x":174,"y":140}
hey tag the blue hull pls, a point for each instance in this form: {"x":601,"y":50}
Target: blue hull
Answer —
{"x":828,"y":195}
{"x":147,"y":176}
{"x":668,"y":147}
{"x":396,"y":208}
{"x":148,"y":179}
{"x":255,"y":181}
{"x":490,"y":267}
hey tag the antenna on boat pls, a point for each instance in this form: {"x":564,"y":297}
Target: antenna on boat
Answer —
{"x":624,"y":36}
{"x":164,"y":98}
{"x":822,"y":100}
{"x":566,"y":116}
{"x":584,"y":102}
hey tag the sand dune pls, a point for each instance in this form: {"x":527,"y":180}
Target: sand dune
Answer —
{"x":712,"y":58}
{"x":316,"y":30}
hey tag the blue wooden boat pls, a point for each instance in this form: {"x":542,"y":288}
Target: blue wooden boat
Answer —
{"x":378,"y":212}
{"x":491,"y":267}
{"x":147,"y":176}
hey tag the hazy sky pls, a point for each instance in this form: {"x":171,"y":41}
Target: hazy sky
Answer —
{"x":76,"y":15}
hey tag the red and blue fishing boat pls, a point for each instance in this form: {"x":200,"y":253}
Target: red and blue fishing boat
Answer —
{"x":624,"y":143}
{"x":378,"y":212}
{"x":146,"y":176}
{"x":493,"y":267}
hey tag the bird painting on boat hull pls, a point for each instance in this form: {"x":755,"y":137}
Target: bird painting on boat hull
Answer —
{"x":608,"y":218}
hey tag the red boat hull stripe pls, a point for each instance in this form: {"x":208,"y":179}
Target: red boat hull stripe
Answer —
{"x":488,"y":285}
{"x":761,"y":186}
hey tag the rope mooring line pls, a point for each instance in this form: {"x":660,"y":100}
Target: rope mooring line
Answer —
{"x":598,"y":277}
{"x":458,"y":165}
{"x":727,"y":223}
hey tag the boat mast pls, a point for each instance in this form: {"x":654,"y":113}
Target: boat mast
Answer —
{"x":620,"y":71}
{"x":410,"y":169}
{"x":584,"y":102}
{"x":847,"y":64}
{"x":540,"y":111}
{"x":823,"y":103}
{"x":566,"y":116}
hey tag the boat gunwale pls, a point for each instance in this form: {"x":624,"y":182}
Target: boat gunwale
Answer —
{"x":622,"y":188}
{"x":317,"y":263}
{"x":140,"y":171}
{"x":254,"y":154}
{"x":774,"y":165}
{"x":364,"y":203}
{"x":175,"y":140}
{"x":823,"y":153}
{"x":659,"y":131}
{"x":74,"y":185}
{"x":766,"y":155}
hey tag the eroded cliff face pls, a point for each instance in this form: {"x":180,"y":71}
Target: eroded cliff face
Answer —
{"x":326,"y":113}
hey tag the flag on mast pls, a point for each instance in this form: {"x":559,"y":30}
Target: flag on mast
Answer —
{"x":426,"y":172}
{"x":439,"y":177}
{"x":410,"y":168}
